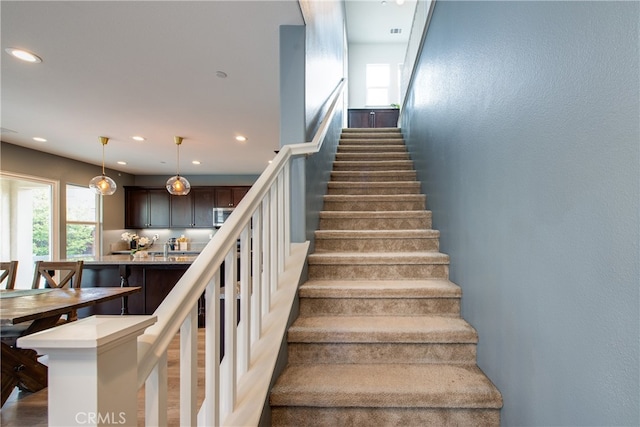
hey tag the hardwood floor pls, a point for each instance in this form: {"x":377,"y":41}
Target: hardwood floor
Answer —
{"x":30,"y":409}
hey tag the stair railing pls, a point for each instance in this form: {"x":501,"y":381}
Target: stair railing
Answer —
{"x":270,"y":268}
{"x":255,"y":240}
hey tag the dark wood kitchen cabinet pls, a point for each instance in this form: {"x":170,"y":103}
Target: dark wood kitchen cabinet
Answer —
{"x":373,"y":117}
{"x":229,"y":197}
{"x":146,"y":208}
{"x":154,"y":207}
{"x":193,"y":210}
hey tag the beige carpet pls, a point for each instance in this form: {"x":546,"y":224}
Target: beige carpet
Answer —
{"x":379,"y":340}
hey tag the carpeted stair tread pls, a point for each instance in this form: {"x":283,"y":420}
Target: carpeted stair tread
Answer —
{"x":373,"y":176}
{"x":393,"y":258}
{"x":385,"y":385}
{"x":366,"y":148}
{"x":355,"y":188}
{"x":372,"y":130}
{"x":373,"y":165}
{"x":374,"y":197}
{"x":377,"y":234}
{"x":370,"y":142}
{"x":371,"y":135}
{"x":428,"y":288}
{"x":398,"y":329}
{"x":371,"y":156}
{"x":375,"y":214}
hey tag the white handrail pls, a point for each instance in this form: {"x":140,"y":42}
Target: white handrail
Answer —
{"x":260,"y":223}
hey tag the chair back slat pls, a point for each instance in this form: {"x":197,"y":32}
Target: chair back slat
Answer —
{"x":70,"y":274}
{"x":9,"y":271}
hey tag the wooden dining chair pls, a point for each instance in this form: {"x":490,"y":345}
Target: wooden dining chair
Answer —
{"x":9,"y":271}
{"x":59,"y":274}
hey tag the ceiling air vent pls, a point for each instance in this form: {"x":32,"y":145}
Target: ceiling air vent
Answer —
{"x":396,"y":30}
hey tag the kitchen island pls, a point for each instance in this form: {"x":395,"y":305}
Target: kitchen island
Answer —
{"x":156,"y":275}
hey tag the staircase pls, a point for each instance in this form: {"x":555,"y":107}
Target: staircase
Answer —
{"x":379,"y":340}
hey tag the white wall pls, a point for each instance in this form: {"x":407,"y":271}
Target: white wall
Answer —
{"x":360,"y":55}
{"x":523,"y":123}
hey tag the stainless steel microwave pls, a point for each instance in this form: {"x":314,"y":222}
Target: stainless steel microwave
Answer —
{"x":220,"y":215}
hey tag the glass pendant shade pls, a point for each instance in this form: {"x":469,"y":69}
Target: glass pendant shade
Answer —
{"x":102,"y":184}
{"x":178,"y":185}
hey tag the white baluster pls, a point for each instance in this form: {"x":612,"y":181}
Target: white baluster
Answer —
{"x":155,"y":392}
{"x":244,"y":336}
{"x":266,"y":254}
{"x":212,"y":351}
{"x":256,"y":274}
{"x":189,"y":369}
{"x":229,"y":387}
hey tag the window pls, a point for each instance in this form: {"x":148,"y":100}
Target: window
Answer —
{"x":27,"y":222}
{"x":82,"y":222}
{"x":378,"y":80}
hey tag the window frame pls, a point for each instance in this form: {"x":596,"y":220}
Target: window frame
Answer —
{"x":96,"y":223}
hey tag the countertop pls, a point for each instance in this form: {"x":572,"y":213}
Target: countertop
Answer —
{"x":157,"y":253}
{"x":131,"y":260}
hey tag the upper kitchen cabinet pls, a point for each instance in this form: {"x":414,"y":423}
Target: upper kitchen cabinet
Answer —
{"x":373,"y":117}
{"x":193,"y":210}
{"x":153,"y":207}
{"x":146,"y":208}
{"x":229,"y":197}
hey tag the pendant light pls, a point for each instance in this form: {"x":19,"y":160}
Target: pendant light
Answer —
{"x":177,"y":185}
{"x":102,"y":184}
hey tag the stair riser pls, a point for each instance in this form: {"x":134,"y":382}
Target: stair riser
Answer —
{"x":381,"y":353}
{"x":365,"y":157}
{"x":374,"y":206}
{"x":374,"y":165}
{"x":372,"y":142}
{"x":446,"y":307}
{"x":377,"y":245}
{"x":378,"y":272}
{"x":375,"y":223}
{"x":371,"y":136}
{"x":372,"y":148}
{"x":365,"y":176}
{"x":373,"y":190}
{"x":313,"y":416}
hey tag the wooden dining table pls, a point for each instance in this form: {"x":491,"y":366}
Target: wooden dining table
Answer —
{"x":26,"y":311}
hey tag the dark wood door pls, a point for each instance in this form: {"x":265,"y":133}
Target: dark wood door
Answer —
{"x":136,"y":208}
{"x":224,"y":197}
{"x":182,"y":210}
{"x":238,"y":193}
{"x":159,"y":208}
{"x":203,"y":204}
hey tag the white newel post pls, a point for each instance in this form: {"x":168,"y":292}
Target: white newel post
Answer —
{"x":93,"y":369}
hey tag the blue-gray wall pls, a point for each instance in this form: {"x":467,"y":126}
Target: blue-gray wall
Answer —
{"x":324,"y":62}
{"x":523,"y":119}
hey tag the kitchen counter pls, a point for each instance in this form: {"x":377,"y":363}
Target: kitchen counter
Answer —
{"x":151,"y":259}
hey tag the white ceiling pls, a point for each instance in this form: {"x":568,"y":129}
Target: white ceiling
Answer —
{"x":125,"y":68}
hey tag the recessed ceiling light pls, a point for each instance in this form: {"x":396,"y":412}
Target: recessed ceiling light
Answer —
{"x":241,"y":138}
{"x":196,"y":162}
{"x":37,"y":138}
{"x":120,"y":162}
{"x":23,"y":55}
{"x":138,"y":138}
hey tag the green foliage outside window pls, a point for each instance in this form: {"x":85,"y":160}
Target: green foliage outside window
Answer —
{"x":41,"y":221}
